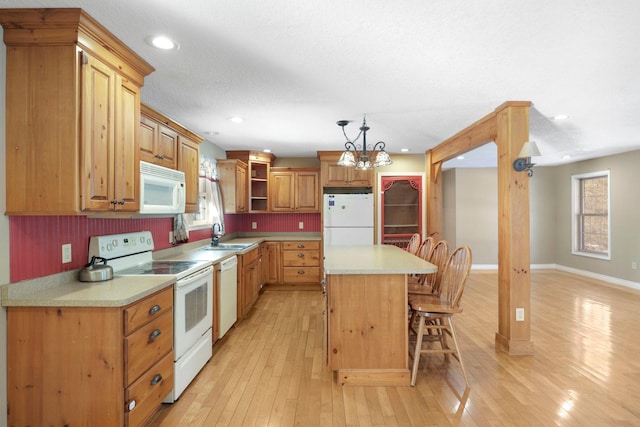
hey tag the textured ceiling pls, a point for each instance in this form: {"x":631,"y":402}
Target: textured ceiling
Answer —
{"x":420,"y":70}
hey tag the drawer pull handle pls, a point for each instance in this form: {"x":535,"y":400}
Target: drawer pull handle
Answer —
{"x":153,"y":310}
{"x":300,"y":246}
{"x":300,"y":255}
{"x":155,"y":334}
{"x":300,"y":271}
{"x":156,"y":379}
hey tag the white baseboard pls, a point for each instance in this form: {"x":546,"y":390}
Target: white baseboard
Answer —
{"x":597,"y":276}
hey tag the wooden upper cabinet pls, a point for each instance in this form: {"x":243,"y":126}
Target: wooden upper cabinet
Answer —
{"x":258,"y":167}
{"x":167,"y":143}
{"x":158,"y":142}
{"x":108,"y":135}
{"x":294,"y":190}
{"x":233,"y":185}
{"x":334,"y":175}
{"x":71,"y":150}
{"x":189,"y":163}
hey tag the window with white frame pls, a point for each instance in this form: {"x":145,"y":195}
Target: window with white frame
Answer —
{"x":591,"y":222}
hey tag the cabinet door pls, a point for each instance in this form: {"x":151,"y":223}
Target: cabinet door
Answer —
{"x":271,"y":266}
{"x":282,"y":195}
{"x":359,"y":178}
{"x":97,"y":133}
{"x":306,"y":192}
{"x":241,"y":188}
{"x":336,"y":175}
{"x":148,"y":136}
{"x":189,"y":163}
{"x":126,"y":169}
{"x":167,"y":147}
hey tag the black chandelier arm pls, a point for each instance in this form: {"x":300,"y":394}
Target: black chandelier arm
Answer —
{"x":350,"y":146}
{"x":381,"y":144}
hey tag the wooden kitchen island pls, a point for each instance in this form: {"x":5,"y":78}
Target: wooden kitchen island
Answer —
{"x":366,"y":313}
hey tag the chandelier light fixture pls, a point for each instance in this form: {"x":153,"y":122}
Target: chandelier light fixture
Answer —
{"x":361,"y":160}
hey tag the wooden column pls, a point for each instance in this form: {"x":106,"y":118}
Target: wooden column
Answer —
{"x":434,"y":198}
{"x":514,"y":275}
{"x":508,"y":127}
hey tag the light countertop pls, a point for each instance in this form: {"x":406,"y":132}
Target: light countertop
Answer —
{"x":374,"y":259}
{"x":117,"y":292}
{"x":64,"y":289}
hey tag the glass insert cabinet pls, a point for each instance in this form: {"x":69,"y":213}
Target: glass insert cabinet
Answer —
{"x":401,"y":206}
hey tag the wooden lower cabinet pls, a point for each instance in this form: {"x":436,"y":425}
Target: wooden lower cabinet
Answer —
{"x":300,"y":262}
{"x":89,"y":365}
{"x":248,"y":280}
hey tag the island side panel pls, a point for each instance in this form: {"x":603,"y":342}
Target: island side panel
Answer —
{"x":367,"y":322}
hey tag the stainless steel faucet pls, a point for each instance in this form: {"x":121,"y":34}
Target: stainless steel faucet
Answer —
{"x":215,"y":237}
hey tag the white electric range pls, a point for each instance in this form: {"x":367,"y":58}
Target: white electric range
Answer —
{"x":131,"y":254}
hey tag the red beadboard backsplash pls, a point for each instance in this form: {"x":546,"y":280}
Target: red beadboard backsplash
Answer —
{"x":36,"y":241}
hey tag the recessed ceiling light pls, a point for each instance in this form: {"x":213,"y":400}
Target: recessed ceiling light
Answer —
{"x":566,"y":156}
{"x":267,"y":150}
{"x":211,"y":132}
{"x":162,"y":42}
{"x":404,"y":150}
{"x":235,"y":119}
{"x":460,"y":157}
{"x":561,"y":117}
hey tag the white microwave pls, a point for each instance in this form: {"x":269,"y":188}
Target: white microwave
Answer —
{"x":161,"y":190}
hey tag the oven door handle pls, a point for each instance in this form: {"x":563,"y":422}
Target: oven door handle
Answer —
{"x":194,"y":277}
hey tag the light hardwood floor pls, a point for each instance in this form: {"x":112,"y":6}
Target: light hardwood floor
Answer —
{"x":269,"y":369}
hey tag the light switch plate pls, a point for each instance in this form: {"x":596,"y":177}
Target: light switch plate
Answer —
{"x":519,"y":314}
{"x":301,"y":225}
{"x":66,"y":253}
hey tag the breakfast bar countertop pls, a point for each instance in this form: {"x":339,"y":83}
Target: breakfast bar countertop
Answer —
{"x":374,"y":259}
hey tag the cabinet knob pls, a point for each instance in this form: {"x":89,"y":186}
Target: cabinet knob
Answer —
{"x":156,"y":379}
{"x":153,"y":310}
{"x":121,"y":202}
{"x":155,"y":334}
{"x":300,"y":255}
{"x":300,"y":246}
{"x":301,"y":272}
{"x":160,"y":156}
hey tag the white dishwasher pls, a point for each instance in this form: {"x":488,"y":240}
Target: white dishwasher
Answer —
{"x":228,"y":294}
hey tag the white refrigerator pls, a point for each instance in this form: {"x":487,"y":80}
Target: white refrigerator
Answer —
{"x":347,"y":219}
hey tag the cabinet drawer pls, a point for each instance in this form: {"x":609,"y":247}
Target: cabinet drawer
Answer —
{"x":148,"y":392}
{"x":292,"y":246}
{"x":300,"y":258}
{"x":249,"y":257}
{"x":147,"y":345}
{"x":301,"y":274}
{"x":148,"y":309}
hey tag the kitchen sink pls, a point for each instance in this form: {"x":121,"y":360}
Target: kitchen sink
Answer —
{"x":227,"y":247}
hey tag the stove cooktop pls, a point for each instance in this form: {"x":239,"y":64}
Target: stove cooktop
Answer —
{"x":161,"y":267}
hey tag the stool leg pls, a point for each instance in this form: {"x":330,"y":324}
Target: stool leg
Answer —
{"x":455,"y":343}
{"x":417,"y":351}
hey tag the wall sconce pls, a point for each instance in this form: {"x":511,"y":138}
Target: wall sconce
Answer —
{"x":523,"y":162}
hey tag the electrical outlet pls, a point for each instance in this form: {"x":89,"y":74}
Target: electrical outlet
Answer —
{"x":254,"y":225}
{"x":301,"y":225}
{"x":634,"y":265}
{"x":66,"y":253}
{"x":171,"y":237}
{"x":519,"y":314}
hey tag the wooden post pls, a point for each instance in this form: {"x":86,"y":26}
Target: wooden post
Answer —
{"x":508,"y":127}
{"x":514,"y":274}
{"x":434,"y":198}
